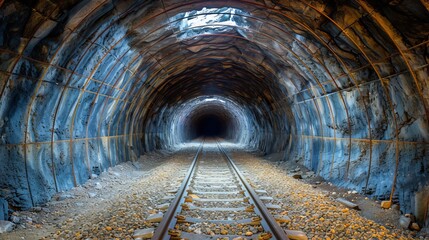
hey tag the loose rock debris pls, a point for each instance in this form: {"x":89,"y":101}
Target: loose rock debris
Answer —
{"x":126,"y":196}
{"x":314,"y":211}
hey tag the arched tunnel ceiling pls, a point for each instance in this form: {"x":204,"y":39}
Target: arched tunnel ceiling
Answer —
{"x":341,"y":86}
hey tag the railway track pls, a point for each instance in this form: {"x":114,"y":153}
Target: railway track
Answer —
{"x":216,"y":202}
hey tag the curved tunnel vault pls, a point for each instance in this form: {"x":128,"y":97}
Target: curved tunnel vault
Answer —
{"x":341,"y":86}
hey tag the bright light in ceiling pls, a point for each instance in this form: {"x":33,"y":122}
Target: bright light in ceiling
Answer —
{"x":210,"y":17}
{"x":213,"y":99}
{"x":209,"y":20}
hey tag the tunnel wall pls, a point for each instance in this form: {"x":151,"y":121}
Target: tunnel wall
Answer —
{"x":62,"y":110}
{"x":371,"y":132}
{"x":340,"y":86}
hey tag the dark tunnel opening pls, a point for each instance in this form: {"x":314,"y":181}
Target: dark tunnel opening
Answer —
{"x":210,"y":116}
{"x":211,"y":125}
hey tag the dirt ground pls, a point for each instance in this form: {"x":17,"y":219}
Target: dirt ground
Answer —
{"x":107,"y":202}
{"x":369,"y":209}
{"x":116,"y":203}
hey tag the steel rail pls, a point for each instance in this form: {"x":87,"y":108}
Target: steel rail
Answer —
{"x":166,"y":223}
{"x":275,"y":228}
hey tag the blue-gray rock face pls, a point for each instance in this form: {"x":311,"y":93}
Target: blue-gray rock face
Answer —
{"x":6,"y":226}
{"x":4,"y":209}
{"x":341,"y":86}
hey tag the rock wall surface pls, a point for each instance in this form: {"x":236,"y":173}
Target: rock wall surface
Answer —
{"x":341,"y":86}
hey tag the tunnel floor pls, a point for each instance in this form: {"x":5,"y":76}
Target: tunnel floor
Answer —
{"x":118,"y":202}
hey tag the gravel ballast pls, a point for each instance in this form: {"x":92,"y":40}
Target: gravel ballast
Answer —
{"x":311,"y":209}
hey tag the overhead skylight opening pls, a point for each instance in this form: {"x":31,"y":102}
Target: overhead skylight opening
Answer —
{"x":210,"y":17}
{"x":209,"y":20}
